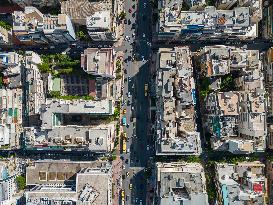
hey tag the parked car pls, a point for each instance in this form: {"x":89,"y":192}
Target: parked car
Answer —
{"x":123,"y":121}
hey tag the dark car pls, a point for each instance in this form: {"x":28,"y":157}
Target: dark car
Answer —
{"x":134,"y":26}
{"x":129,"y":22}
{"x":126,"y":161}
{"x":125,"y":21}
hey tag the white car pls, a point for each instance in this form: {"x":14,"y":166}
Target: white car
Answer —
{"x":143,"y":35}
{"x":148,"y":147}
{"x":144,"y":5}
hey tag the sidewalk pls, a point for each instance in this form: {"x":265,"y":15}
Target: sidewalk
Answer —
{"x":120,"y":27}
{"x":117,"y":181}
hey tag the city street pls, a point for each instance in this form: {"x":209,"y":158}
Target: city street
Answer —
{"x":136,"y":68}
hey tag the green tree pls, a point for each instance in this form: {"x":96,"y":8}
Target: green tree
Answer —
{"x":227,"y":83}
{"x":193,"y":159}
{"x":21,"y":182}
{"x":116,"y":113}
{"x":81,"y":35}
{"x":5,"y":25}
{"x":67,"y":70}
{"x":55,"y":94}
{"x":44,"y":67}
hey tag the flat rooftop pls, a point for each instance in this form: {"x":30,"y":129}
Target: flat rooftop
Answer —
{"x":53,"y":109}
{"x":95,"y":139}
{"x":229,"y":102}
{"x":98,"y":61}
{"x":219,"y":22}
{"x":242,"y":182}
{"x":181,"y":183}
{"x":99,"y":19}
{"x":79,"y":10}
{"x":69,"y":181}
{"x":176,"y":129}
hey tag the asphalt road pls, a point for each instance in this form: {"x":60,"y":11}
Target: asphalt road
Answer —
{"x":136,"y":75}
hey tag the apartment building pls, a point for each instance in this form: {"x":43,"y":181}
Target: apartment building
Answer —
{"x":11,"y":117}
{"x":256,"y":7}
{"x":241,"y":183}
{"x":181,"y":183}
{"x":10,"y":168}
{"x":31,"y":27}
{"x":79,"y":10}
{"x":35,"y":86}
{"x":73,"y":125}
{"x":100,"y":17}
{"x":175,"y":24}
{"x":99,"y":62}
{"x":269,"y":176}
{"x":10,"y":63}
{"x":35,"y":3}
{"x":67,"y":182}
{"x":235,"y":119}
{"x":100,"y":26}
{"x":176,"y":131}
{"x":10,"y":99}
{"x":268,"y":69}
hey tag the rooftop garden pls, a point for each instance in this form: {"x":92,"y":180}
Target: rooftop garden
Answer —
{"x":57,"y":94}
{"x":82,"y":33}
{"x":227,"y":83}
{"x":57,"y":64}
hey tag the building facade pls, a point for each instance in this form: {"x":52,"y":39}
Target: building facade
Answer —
{"x":31,"y":27}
